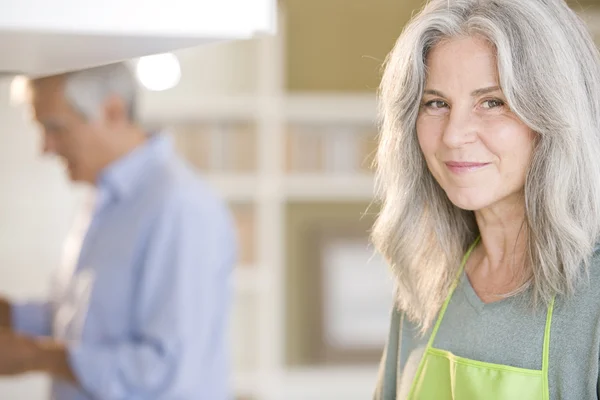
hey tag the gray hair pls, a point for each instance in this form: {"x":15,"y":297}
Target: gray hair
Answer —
{"x":87,"y":89}
{"x":549,"y":71}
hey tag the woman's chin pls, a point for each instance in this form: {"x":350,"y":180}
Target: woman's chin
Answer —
{"x":469,"y":202}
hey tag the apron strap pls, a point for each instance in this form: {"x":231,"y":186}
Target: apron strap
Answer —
{"x":441,"y":316}
{"x":450,"y":292}
{"x":546,"y":351}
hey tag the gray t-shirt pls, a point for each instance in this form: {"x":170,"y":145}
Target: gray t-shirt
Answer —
{"x":507,"y":332}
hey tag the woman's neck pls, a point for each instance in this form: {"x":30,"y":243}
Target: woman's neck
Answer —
{"x":498,"y":266}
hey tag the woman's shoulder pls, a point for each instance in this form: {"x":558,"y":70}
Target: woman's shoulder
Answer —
{"x":586,"y":293}
{"x":593,"y":273}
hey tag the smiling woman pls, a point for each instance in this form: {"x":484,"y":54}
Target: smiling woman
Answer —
{"x":475,"y":147}
{"x":489,"y":178}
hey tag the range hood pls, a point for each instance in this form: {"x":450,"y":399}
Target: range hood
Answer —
{"x":42,"y":37}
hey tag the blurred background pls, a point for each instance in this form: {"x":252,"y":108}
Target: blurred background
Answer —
{"x":284,"y":128}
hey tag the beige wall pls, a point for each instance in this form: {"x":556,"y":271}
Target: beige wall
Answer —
{"x":339,"y":45}
{"x":583,"y":4}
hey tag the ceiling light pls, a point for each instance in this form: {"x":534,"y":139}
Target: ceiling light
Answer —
{"x":159,"y":72}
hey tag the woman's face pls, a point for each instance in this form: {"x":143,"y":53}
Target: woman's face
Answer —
{"x":475,"y":147}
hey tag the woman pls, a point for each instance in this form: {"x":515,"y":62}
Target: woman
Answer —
{"x":489,"y":176}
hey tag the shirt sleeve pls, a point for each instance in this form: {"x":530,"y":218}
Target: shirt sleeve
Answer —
{"x":180,"y":313}
{"x":32,"y":318}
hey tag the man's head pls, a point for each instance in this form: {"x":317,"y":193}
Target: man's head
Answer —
{"x":88,"y":117}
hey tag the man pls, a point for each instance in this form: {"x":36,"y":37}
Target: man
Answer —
{"x":139,"y":309}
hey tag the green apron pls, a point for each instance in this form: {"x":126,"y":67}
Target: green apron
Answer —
{"x":443,"y":376}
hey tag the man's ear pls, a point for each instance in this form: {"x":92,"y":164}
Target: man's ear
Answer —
{"x":115,"y":111}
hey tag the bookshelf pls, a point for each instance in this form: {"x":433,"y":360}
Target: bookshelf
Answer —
{"x":261,"y":149}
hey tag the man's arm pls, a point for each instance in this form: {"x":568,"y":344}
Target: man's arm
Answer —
{"x":179,"y":321}
{"x":179,"y":316}
{"x":31,"y":318}
{"x":52,"y":357}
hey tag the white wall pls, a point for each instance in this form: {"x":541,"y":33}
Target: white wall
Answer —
{"x":36,"y":209}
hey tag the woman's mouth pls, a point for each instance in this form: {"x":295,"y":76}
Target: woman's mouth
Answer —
{"x":462,"y":167}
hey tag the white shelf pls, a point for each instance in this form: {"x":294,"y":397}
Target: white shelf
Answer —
{"x":325,"y":108}
{"x":329,"y":187}
{"x":319,"y":383}
{"x":297,"y":187}
{"x":165,"y":108}
{"x":348,"y":383}
{"x":246,"y":384}
{"x":305,"y":108}
{"x":233,"y":187}
{"x":247,"y":278}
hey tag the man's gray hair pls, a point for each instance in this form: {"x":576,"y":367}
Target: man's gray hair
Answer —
{"x":549,"y":71}
{"x":87,"y":89}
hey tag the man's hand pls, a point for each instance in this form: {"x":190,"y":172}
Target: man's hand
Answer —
{"x":52,"y":358}
{"x":22,"y":354}
{"x":17,"y":353}
{"x":5,"y":313}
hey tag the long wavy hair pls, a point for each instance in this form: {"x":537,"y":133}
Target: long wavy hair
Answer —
{"x":549,"y":71}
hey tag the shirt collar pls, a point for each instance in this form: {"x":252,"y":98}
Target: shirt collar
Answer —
{"x":122,"y":176}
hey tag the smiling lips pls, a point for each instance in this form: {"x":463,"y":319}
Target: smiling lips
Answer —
{"x":462,"y":167}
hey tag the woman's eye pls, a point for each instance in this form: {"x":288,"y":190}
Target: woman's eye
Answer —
{"x":492,"y":103}
{"x":436,"y":104}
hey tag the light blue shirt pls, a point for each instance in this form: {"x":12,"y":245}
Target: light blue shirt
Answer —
{"x":144,"y":309}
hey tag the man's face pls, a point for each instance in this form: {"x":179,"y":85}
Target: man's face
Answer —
{"x":66,"y":133}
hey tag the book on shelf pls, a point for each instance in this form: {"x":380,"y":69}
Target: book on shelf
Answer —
{"x":303,"y":149}
{"x":225,"y":147}
{"x":329,"y":148}
{"x":245,"y":225}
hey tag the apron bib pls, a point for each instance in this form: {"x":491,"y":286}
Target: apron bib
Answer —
{"x":443,"y":376}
